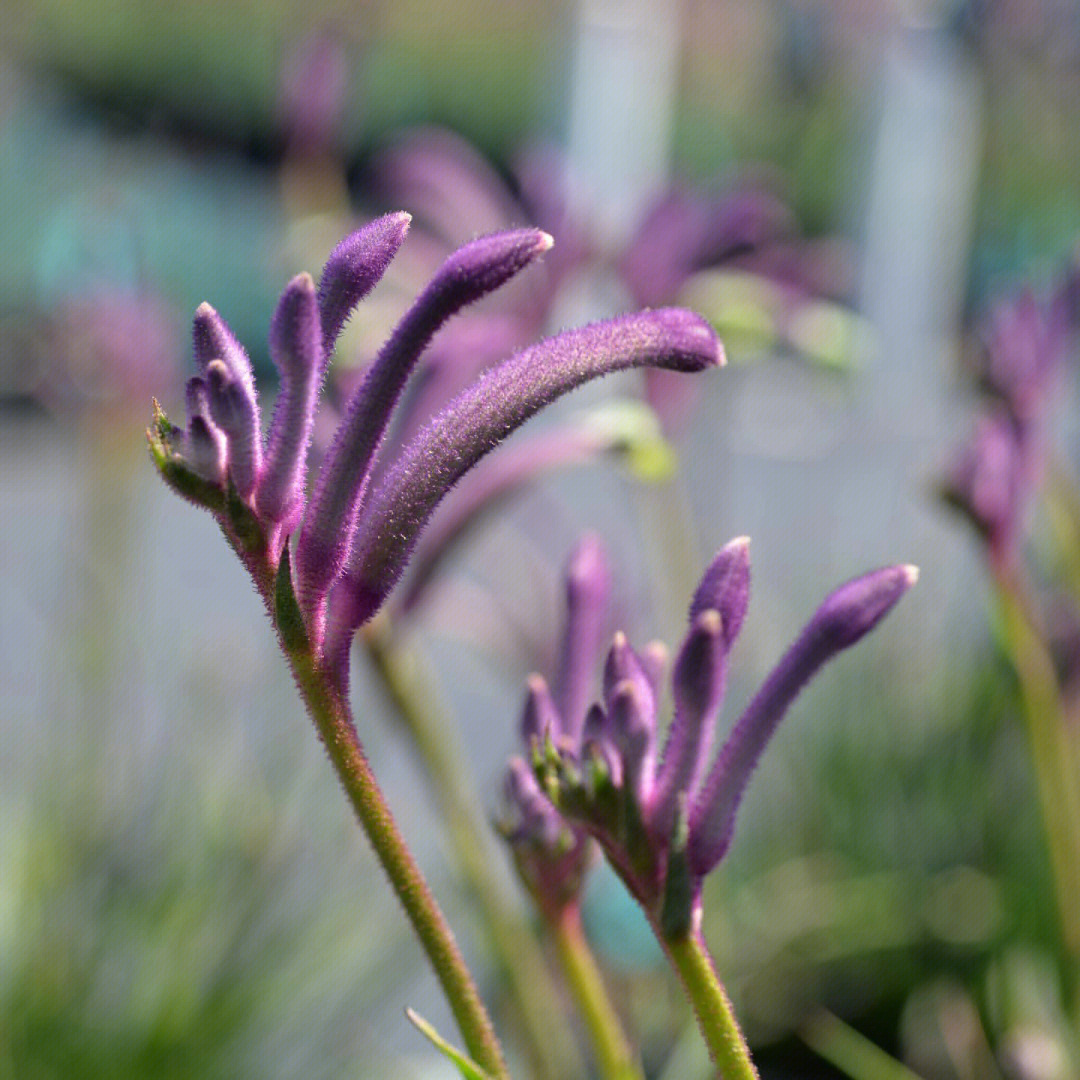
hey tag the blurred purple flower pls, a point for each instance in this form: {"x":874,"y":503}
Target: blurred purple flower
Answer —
{"x":989,"y":482}
{"x":1024,"y":344}
{"x":664,"y":820}
{"x":357,"y":529}
{"x":311,"y":92}
{"x":108,"y":349}
{"x":995,"y":476}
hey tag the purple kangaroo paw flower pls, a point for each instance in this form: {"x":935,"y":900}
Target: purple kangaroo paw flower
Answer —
{"x":296,"y":349}
{"x":717,"y":611}
{"x":848,"y":614}
{"x":470,"y":273}
{"x":234,"y":410}
{"x":213,"y":340}
{"x":588,"y":588}
{"x":353,"y":270}
{"x":500,"y":401}
{"x":540,"y":717}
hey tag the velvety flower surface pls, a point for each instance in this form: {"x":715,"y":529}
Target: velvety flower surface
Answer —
{"x":664,"y":815}
{"x":351,"y":532}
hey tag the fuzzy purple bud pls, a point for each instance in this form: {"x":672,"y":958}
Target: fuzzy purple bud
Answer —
{"x":213,"y":340}
{"x":354,"y":269}
{"x":552,"y":856}
{"x":698,"y":682}
{"x":623,"y":665}
{"x":588,"y":588}
{"x":725,"y":587}
{"x":540,"y":717}
{"x":296,"y":349}
{"x":479,"y":418}
{"x":234,"y":411}
{"x":467,"y":275}
{"x":204,"y":450}
{"x":535,"y":818}
{"x":848,"y":614}
{"x":632,"y":710}
{"x":717,"y":611}
{"x":598,"y":738}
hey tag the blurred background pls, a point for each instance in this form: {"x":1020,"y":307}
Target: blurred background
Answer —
{"x":850,"y":191}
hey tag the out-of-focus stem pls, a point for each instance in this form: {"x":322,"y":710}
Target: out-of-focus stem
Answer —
{"x":725,"y":1041}
{"x":515,"y":946}
{"x":851,"y":1051}
{"x":1063,"y":509}
{"x":1053,"y":755}
{"x":614,"y":1055}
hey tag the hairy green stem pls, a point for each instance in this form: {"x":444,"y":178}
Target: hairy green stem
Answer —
{"x":725,"y":1041}
{"x":335,"y":726}
{"x":431,"y":731}
{"x":614,"y":1055}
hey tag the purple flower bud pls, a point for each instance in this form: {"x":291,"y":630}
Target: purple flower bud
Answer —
{"x":467,"y":275}
{"x":551,"y":855}
{"x":621,"y":665}
{"x":536,"y":819}
{"x":717,"y":611}
{"x":725,"y":587}
{"x":588,"y":587}
{"x":234,"y":411}
{"x":540,"y":717}
{"x":598,"y":737}
{"x":698,"y":682}
{"x":296,"y":349}
{"x":633,"y":730}
{"x":478,"y":419}
{"x":204,"y":450}
{"x":213,"y":340}
{"x":847,"y":615}
{"x":354,"y":269}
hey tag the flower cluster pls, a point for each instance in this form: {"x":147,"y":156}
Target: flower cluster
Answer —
{"x":995,"y":474}
{"x":355,"y":531}
{"x":663,"y":819}
{"x":553,"y":856}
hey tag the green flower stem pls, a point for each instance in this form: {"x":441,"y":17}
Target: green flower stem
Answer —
{"x":516,"y":949}
{"x":1053,"y":755}
{"x":613,"y":1052}
{"x":336,"y":728}
{"x":727,"y":1048}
